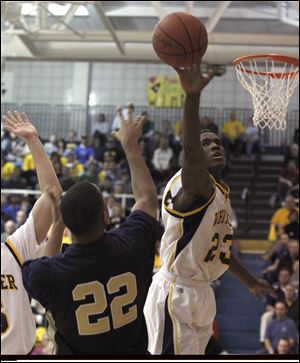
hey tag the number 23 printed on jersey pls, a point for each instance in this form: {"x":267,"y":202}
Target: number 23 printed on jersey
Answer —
{"x":224,"y":253}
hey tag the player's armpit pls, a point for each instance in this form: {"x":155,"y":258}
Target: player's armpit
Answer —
{"x":193,"y":189}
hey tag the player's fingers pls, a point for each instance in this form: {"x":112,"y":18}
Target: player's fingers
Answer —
{"x":208,"y":78}
{"x":177,"y":69}
{"x":122,"y":119}
{"x":129,"y":118}
{"x":8,"y":122}
{"x":18,"y":116}
{"x":210,"y":75}
{"x":25,"y":117}
{"x":142,"y":120}
{"x":11,"y":117}
{"x":115,"y":135}
{"x":139,"y":121}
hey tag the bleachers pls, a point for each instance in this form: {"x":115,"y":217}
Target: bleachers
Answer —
{"x":261,"y":180}
{"x":238,"y":311}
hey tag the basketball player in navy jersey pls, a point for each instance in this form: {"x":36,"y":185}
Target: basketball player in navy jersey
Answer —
{"x":96,"y":290}
{"x":196,"y":245}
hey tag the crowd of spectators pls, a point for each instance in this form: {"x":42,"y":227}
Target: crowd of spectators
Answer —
{"x":279,"y":328}
{"x":99,"y":158}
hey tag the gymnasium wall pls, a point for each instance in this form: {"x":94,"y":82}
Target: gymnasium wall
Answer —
{"x":111,"y":84}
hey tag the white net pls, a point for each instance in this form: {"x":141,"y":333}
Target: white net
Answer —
{"x":270,"y":88}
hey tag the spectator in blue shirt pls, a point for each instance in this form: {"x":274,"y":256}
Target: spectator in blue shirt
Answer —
{"x":84,"y":152}
{"x":280,"y":327}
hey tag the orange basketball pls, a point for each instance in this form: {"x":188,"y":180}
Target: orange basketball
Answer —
{"x":180,"y":40}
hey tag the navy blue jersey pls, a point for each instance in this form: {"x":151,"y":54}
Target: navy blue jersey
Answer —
{"x":96,"y":292}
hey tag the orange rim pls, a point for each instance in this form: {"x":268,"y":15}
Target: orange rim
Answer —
{"x":276,"y":57}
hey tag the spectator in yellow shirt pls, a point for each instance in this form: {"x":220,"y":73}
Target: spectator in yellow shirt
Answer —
{"x":281,"y":215}
{"x":74,"y":165}
{"x":233,"y":133}
{"x":7,"y":168}
{"x":28,"y":163}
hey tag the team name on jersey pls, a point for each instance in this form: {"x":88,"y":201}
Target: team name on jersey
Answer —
{"x":222,"y":217}
{"x":8,"y":282}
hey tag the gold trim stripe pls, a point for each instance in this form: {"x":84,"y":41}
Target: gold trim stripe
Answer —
{"x":175,"y":328}
{"x":195,"y":211}
{"x":14,"y":252}
{"x":172,"y":257}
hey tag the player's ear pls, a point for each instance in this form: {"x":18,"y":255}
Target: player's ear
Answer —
{"x":106,"y":217}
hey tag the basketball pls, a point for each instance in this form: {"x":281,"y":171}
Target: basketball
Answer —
{"x":180,"y":39}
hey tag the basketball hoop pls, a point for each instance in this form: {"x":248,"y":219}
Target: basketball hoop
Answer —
{"x":271,"y":80}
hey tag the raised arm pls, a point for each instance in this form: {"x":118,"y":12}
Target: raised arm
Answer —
{"x":53,"y":245}
{"x":143,"y":187}
{"x":21,"y":126}
{"x":195,"y":177}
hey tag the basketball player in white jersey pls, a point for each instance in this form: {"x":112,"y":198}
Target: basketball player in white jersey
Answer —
{"x":17,"y":322}
{"x":195,"y":248}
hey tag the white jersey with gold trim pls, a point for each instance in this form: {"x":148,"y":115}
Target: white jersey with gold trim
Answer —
{"x":196,"y":245}
{"x":17,"y":321}
{"x":195,"y":249}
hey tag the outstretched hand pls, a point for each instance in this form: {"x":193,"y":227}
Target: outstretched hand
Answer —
{"x":20,"y":125}
{"x":261,"y":289}
{"x":130,"y":130}
{"x":192,"y":80}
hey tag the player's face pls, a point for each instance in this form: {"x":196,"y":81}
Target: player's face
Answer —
{"x":214,"y":151}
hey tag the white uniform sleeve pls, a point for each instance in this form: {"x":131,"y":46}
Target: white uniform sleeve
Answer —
{"x":24,"y":239}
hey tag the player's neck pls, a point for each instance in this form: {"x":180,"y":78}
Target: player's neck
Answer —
{"x":217,"y":175}
{"x":89,"y":239}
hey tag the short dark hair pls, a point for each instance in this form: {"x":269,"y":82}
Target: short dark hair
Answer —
{"x":82,"y":208}
{"x":204,"y":131}
{"x":282,"y":302}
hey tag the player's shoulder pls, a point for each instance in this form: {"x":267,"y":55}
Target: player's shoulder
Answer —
{"x":139,"y":217}
{"x":24,"y":231}
{"x":139,"y":226}
{"x":174,"y":182}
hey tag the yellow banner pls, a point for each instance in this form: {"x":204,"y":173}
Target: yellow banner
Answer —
{"x":165,"y":91}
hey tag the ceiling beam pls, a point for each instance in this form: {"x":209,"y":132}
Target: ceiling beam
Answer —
{"x":214,"y":55}
{"x":199,"y":11}
{"x":216,"y":16}
{"x":101,"y":12}
{"x":146,"y":37}
{"x":159,"y":10}
{"x":189,"y":7}
{"x":66,"y":19}
{"x":81,"y":35}
{"x":41,"y":17}
{"x":30,"y":46}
